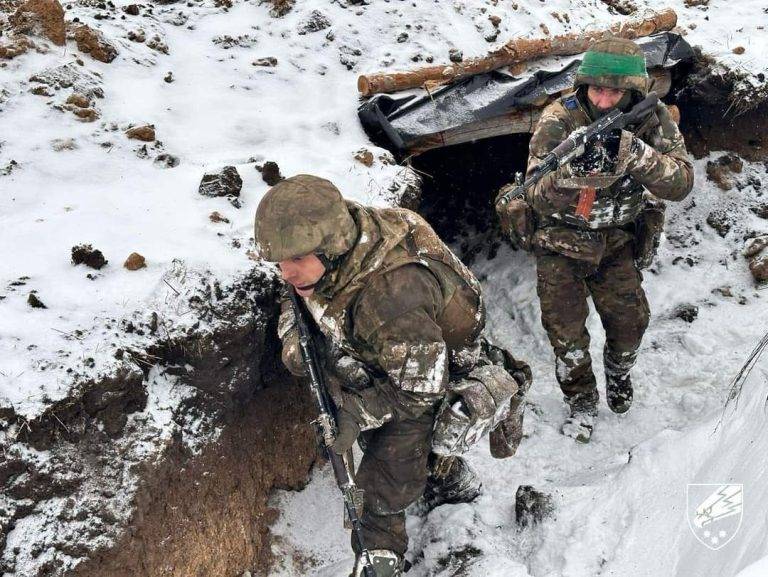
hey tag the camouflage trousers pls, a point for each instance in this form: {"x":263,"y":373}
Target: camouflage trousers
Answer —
{"x":564,"y":284}
{"x":393,"y":474}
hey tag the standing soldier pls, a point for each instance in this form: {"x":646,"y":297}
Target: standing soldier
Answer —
{"x":597,"y":223}
{"x":401,"y":318}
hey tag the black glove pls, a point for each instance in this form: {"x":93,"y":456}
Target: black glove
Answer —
{"x":599,"y":156}
{"x":348,"y":430}
{"x":351,"y":373}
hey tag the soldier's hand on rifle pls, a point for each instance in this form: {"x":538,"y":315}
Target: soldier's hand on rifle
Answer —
{"x":600,"y":155}
{"x":351,"y":373}
{"x":348,"y":430}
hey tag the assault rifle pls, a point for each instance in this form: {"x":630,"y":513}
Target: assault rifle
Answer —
{"x":325,"y":427}
{"x":575,"y":144}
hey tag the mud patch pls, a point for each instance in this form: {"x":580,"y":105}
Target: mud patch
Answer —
{"x":87,"y":255}
{"x":712,"y":118}
{"x":209,"y":515}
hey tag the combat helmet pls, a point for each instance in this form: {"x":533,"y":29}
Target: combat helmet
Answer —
{"x":301,"y":215}
{"x":615,"y":63}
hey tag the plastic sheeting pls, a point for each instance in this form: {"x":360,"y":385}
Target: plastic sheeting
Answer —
{"x":400,"y":123}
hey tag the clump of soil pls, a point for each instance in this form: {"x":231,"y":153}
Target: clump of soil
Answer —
{"x":754,"y":252}
{"x":215,"y":216}
{"x":224,"y":183}
{"x":720,"y":221}
{"x":48,"y":14}
{"x":18,"y":46}
{"x":267,"y":61}
{"x":364,"y":156}
{"x":87,"y":255}
{"x":135,"y":261}
{"x":686,"y":312}
{"x":532,"y":506}
{"x":270,"y":173}
{"x":145,"y":133}
{"x":720,"y":171}
{"x":35,"y":302}
{"x":93,"y":42}
{"x":79,"y":100}
{"x":281,"y":7}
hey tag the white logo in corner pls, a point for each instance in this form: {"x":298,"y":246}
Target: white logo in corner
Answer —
{"x":714,"y":512}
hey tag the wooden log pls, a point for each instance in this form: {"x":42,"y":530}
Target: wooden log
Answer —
{"x":514,"y":52}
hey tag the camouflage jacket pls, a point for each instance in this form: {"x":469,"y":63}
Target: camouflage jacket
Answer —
{"x":402,"y":305}
{"x":656,"y":164}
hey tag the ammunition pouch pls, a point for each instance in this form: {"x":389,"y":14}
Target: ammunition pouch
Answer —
{"x":648,"y":229}
{"x":517,"y":221}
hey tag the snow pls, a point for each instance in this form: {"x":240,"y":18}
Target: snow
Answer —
{"x":221,"y":110}
{"x":620,"y":500}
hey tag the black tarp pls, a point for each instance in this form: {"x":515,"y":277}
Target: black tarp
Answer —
{"x":398,"y":123}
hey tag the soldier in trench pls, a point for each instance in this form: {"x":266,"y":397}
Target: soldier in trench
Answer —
{"x":597,"y":223}
{"x":401,"y":320}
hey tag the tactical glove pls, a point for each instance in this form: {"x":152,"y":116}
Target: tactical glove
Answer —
{"x":348,"y":431}
{"x":600,"y":155}
{"x":351,"y":373}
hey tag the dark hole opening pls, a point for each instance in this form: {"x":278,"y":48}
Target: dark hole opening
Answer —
{"x":459,"y":186}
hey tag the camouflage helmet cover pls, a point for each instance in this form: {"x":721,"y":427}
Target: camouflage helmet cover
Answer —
{"x":301,"y":215}
{"x":615,"y":63}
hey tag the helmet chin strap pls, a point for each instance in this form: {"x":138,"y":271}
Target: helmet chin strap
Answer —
{"x":330,"y":263}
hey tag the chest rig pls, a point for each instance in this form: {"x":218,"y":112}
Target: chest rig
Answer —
{"x":614,"y":201}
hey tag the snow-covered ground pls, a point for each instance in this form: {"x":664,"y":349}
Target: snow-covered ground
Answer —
{"x":80,"y":182}
{"x":621,"y":500}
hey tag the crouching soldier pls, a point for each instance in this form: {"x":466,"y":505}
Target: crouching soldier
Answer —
{"x":400,"y":318}
{"x":597,"y":223}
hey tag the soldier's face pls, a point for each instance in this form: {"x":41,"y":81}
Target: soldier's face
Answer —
{"x":302,"y":272}
{"x":603,"y":97}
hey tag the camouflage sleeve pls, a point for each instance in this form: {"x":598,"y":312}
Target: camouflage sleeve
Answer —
{"x":289,"y":337}
{"x":545,"y":197}
{"x":395,"y":317}
{"x":663,"y":165}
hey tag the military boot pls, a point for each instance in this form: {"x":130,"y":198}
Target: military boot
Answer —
{"x":460,"y":484}
{"x":581,"y":422}
{"x":385,"y":563}
{"x":618,"y":391}
{"x":618,"y":383}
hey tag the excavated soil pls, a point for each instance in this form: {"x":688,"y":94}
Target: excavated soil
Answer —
{"x":192,"y":503}
{"x":712,"y":118}
{"x":208,"y":516}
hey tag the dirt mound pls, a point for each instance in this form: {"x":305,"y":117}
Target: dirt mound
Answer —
{"x":47,"y":14}
{"x":117,"y":480}
{"x":712,"y":118}
{"x":93,"y":42}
